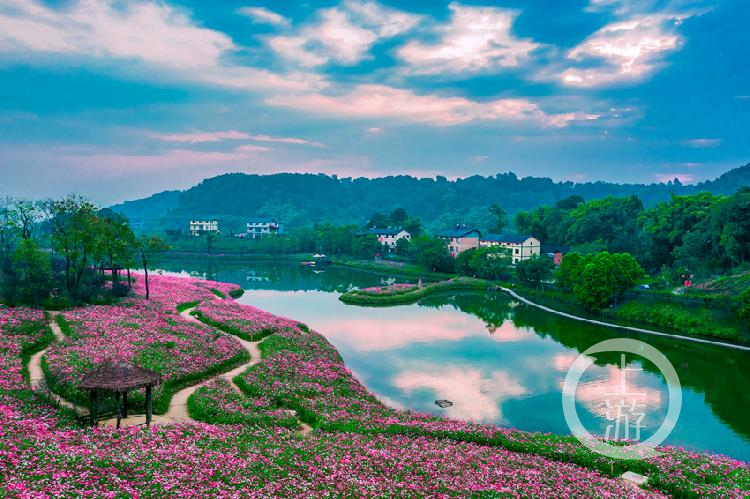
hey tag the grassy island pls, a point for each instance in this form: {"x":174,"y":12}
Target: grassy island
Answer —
{"x":407,"y":293}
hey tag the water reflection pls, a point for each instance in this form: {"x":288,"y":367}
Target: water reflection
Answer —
{"x":501,"y":362}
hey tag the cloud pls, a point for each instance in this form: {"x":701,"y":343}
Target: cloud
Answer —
{"x":381,"y":101}
{"x":143,"y":32}
{"x":702,"y":143}
{"x":386,"y":22}
{"x":146,"y":31}
{"x":343,"y":34}
{"x":475,"y":39}
{"x":201,"y":137}
{"x":623,"y":51}
{"x":263,"y":15}
{"x":476,"y":397}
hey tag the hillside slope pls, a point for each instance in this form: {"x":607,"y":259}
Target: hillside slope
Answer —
{"x":302,"y":199}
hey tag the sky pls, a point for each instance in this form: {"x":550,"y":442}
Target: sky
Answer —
{"x":118,"y":100}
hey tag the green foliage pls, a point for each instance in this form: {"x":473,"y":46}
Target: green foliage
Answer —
{"x":598,"y":279}
{"x":366,"y":247}
{"x":535,"y":270}
{"x":431,"y":254}
{"x":32,"y":273}
{"x":501,"y":219}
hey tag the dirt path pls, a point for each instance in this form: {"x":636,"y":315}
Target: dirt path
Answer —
{"x":178,"y":406}
{"x":617,"y":326}
{"x":36,"y":374}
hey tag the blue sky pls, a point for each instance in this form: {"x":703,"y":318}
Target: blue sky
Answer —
{"x":117,"y":100}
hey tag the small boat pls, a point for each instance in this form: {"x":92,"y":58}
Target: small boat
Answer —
{"x":308,"y":264}
{"x":442,"y":403}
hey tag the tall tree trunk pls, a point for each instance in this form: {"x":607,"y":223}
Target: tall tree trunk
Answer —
{"x":129,"y":286}
{"x":145,"y":270}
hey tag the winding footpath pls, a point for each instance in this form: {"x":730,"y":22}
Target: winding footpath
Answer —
{"x":618,"y":326}
{"x":177,"y":411}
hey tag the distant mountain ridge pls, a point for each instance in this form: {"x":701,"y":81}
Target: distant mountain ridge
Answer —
{"x":299,"y":199}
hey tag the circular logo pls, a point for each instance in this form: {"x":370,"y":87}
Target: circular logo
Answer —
{"x":640,"y":450}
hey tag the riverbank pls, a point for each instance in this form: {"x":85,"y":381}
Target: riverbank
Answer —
{"x":398,"y":294}
{"x":301,"y":372}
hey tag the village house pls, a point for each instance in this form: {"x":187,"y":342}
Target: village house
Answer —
{"x":521,"y":247}
{"x":262,"y":227}
{"x":389,"y":236}
{"x":556,"y":253}
{"x":198,"y":227}
{"x":460,"y":239}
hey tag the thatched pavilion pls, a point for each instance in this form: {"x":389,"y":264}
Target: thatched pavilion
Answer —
{"x":119,"y":377}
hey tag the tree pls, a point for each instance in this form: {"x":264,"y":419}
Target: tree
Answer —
{"x":32,"y":272}
{"x":399,"y":217}
{"x":147,"y":247}
{"x":432,"y":254}
{"x":603,"y":277}
{"x":491,"y":263}
{"x":569,"y":272}
{"x":366,"y":246}
{"x":378,"y":220}
{"x":535,"y":269}
{"x":402,"y":246}
{"x":501,"y":219}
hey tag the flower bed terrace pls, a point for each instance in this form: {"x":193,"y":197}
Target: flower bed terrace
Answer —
{"x":149,"y":335}
{"x":245,"y":321}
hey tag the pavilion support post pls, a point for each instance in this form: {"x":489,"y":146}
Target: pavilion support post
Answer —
{"x":117,"y":408}
{"x":149,"y":406}
{"x":92,"y":407}
{"x":125,"y":405}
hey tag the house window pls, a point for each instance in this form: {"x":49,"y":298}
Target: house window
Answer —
{"x":516,"y":251}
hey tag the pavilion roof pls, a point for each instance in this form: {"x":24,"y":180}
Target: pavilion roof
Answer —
{"x":119,"y":376}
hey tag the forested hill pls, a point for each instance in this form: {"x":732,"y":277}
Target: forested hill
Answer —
{"x":302,"y":199}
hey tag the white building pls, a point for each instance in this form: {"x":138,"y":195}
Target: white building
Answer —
{"x":262,"y":227}
{"x":521,"y":247}
{"x":198,"y":227}
{"x":390,"y":236}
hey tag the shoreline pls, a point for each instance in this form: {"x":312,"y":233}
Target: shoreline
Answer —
{"x":635,"y":329}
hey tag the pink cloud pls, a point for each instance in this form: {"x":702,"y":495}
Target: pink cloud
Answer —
{"x":474,"y":396}
{"x":381,"y":101}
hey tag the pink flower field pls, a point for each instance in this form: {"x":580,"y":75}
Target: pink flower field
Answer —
{"x":244,"y":321}
{"x":248,"y":443}
{"x":20,"y":330}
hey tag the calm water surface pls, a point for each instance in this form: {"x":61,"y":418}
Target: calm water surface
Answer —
{"x":499,"y":361}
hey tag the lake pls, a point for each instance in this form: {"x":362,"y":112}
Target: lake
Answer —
{"x":499,"y":361}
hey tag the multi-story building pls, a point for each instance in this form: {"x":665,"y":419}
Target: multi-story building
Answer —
{"x":521,"y":247}
{"x":460,"y":238}
{"x":198,"y":227}
{"x":262,"y":227}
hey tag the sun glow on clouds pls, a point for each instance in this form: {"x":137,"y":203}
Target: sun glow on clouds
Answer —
{"x":477,"y":38}
{"x":342,"y":35}
{"x":627,"y":50}
{"x":381,"y":101}
{"x":148,"y":32}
